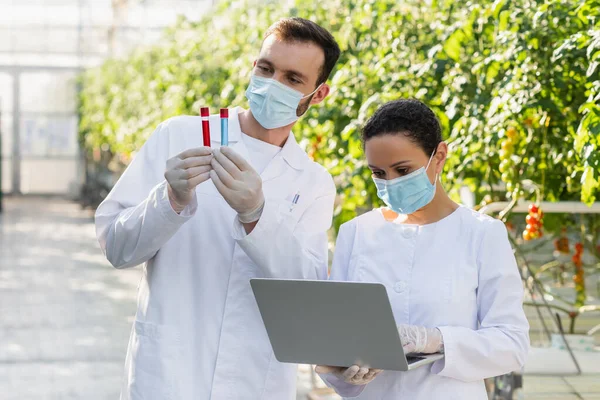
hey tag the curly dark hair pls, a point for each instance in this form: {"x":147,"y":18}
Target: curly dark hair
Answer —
{"x":408,"y":117}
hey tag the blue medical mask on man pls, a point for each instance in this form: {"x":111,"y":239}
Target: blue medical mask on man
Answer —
{"x":272,"y":103}
{"x":409,"y":193}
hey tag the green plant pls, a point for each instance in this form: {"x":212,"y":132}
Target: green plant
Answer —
{"x":515,"y":83}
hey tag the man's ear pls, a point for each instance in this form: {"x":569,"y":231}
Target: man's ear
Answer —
{"x":320,"y":94}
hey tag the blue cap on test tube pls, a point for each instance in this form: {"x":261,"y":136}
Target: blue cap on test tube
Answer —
{"x":224,"y":127}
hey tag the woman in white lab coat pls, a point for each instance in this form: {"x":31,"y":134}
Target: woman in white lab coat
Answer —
{"x":449,"y":271}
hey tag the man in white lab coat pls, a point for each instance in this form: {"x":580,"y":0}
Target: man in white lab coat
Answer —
{"x":204,"y":221}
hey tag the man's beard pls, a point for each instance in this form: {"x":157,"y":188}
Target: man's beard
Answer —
{"x":303,"y":106}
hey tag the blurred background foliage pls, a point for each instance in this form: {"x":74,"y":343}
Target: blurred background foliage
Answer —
{"x":516,"y":84}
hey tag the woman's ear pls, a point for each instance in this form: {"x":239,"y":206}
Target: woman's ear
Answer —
{"x":440,"y":157}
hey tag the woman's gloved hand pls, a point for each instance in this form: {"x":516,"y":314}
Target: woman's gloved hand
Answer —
{"x":419,"y":339}
{"x":354,"y":375}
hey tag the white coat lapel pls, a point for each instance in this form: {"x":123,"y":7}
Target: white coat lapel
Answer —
{"x":291,"y":156}
{"x":276,"y":168}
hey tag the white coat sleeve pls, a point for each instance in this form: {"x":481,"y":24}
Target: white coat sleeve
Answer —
{"x":283,"y":249}
{"x":501,"y":343}
{"x":136,"y":218}
{"x":340,"y":272}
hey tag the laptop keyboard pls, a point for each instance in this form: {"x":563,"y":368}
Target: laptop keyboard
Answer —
{"x":413,"y":359}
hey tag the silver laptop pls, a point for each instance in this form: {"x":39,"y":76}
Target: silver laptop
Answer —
{"x":333,"y":323}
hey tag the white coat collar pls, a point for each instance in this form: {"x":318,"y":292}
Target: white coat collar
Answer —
{"x":291,"y":152}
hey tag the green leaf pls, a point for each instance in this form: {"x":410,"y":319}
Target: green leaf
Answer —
{"x":589,"y":184}
{"x":482,"y":66}
{"x":504,"y":19}
{"x":453,"y":45}
{"x":497,"y":7}
{"x":492,"y":72}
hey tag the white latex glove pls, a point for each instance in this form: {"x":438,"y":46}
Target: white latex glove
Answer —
{"x":419,"y":339}
{"x":354,"y":375}
{"x":239,"y":184}
{"x":184,"y":172}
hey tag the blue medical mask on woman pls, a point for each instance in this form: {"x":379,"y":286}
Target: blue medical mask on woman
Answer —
{"x":272,"y":103}
{"x":409,"y":193}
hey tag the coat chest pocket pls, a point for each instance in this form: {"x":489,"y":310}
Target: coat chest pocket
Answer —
{"x":291,"y":207}
{"x":456,"y":285}
{"x":464,"y":282}
{"x":453,"y":284}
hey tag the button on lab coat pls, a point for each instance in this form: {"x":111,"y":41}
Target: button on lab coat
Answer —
{"x":459,"y":275}
{"x":198,"y":333}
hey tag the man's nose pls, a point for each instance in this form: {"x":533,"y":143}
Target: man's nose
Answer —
{"x":279,"y":77}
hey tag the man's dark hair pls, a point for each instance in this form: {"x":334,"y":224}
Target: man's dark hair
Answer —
{"x":407,"y":117}
{"x":302,"y":30}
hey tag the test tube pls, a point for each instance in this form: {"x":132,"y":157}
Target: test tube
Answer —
{"x":224,"y":127}
{"x":204,"y":114}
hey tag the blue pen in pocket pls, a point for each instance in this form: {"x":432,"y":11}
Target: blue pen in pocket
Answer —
{"x":295,"y":200}
{"x":224,"y":127}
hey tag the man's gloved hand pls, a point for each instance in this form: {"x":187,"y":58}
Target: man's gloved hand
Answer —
{"x":354,"y":375}
{"x":239,"y":184}
{"x":419,"y":339}
{"x":184,"y":172}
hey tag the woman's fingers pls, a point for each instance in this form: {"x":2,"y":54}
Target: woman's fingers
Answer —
{"x":361,"y":374}
{"x":354,"y":375}
{"x":369,"y":375}
{"x":409,"y":347}
{"x":350,"y":373}
{"x":372,"y":374}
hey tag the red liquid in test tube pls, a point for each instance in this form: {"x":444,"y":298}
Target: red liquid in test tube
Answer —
{"x":204,"y":114}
